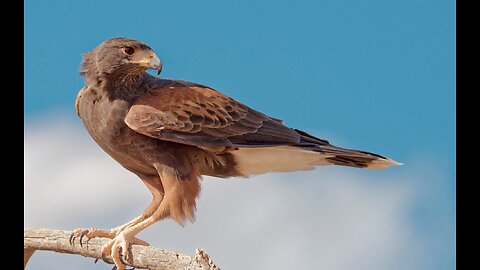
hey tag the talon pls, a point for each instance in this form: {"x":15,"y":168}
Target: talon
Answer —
{"x":72,"y":238}
{"x":125,"y":254}
{"x":85,"y":232}
{"x":96,"y":260}
{"x":88,"y":240}
{"x":104,"y":258}
{"x":120,"y":255}
{"x":124,"y":258}
{"x":114,"y":267}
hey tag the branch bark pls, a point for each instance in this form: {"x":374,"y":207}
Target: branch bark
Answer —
{"x":143,"y":257}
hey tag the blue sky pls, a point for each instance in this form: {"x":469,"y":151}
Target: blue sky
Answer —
{"x":371,"y":75}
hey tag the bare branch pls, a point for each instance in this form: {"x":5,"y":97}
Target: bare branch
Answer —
{"x":143,"y":257}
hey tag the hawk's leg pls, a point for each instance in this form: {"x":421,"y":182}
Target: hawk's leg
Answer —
{"x":178,"y":203}
{"x":154,"y":185}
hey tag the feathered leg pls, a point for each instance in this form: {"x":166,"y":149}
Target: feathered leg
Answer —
{"x":178,"y":203}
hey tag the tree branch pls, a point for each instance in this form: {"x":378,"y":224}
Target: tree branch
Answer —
{"x":143,"y":257}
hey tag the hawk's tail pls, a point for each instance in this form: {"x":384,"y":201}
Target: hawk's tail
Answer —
{"x":345,"y":157}
{"x":354,"y":158}
{"x":310,"y":152}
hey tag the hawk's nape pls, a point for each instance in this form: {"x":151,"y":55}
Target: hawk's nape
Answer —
{"x":171,"y":132}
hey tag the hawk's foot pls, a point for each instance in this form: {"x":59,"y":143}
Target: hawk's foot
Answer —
{"x":119,"y":248}
{"x":90,"y":233}
{"x":94,"y":233}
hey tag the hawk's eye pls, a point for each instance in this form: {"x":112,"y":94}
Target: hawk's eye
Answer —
{"x":129,"y":50}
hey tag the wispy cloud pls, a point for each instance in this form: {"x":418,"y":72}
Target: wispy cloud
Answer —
{"x":331,"y":218}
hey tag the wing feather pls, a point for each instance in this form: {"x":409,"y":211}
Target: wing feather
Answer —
{"x":197,"y":115}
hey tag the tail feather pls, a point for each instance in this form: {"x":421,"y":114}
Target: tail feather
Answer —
{"x":356,"y":158}
{"x":250,"y":161}
{"x":345,"y":157}
{"x":307,"y":154}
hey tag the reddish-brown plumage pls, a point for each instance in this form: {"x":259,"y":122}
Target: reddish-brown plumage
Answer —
{"x":169,"y":133}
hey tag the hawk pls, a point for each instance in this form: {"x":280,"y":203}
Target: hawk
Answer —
{"x":171,"y":132}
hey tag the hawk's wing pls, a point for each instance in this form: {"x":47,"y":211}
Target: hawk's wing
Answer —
{"x":196,"y":115}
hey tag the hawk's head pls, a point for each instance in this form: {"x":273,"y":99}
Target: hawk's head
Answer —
{"x":120,"y":55}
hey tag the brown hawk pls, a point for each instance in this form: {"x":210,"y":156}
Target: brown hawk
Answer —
{"x":170,"y":133}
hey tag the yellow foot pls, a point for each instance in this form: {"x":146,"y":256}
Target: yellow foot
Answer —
{"x":95,"y":233}
{"x":90,"y":233}
{"x":119,"y":249}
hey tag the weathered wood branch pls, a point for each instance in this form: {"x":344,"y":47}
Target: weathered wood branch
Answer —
{"x":143,"y":257}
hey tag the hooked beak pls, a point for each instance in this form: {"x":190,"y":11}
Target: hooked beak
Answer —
{"x":156,"y":64}
{"x":148,"y":60}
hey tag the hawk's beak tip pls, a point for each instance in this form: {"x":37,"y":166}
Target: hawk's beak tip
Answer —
{"x":156,"y":64}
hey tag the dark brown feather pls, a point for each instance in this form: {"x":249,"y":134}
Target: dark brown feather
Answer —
{"x":197,"y":115}
{"x":170,"y":133}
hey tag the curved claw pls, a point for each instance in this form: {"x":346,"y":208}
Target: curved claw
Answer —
{"x":104,"y":258}
{"x":86,"y":242}
{"x":85,"y":232}
{"x":96,"y":260}
{"x":115,"y":268}
{"x":122,"y":259}
{"x":72,"y":238}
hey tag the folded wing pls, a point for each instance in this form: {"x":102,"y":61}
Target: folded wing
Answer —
{"x":196,"y":115}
